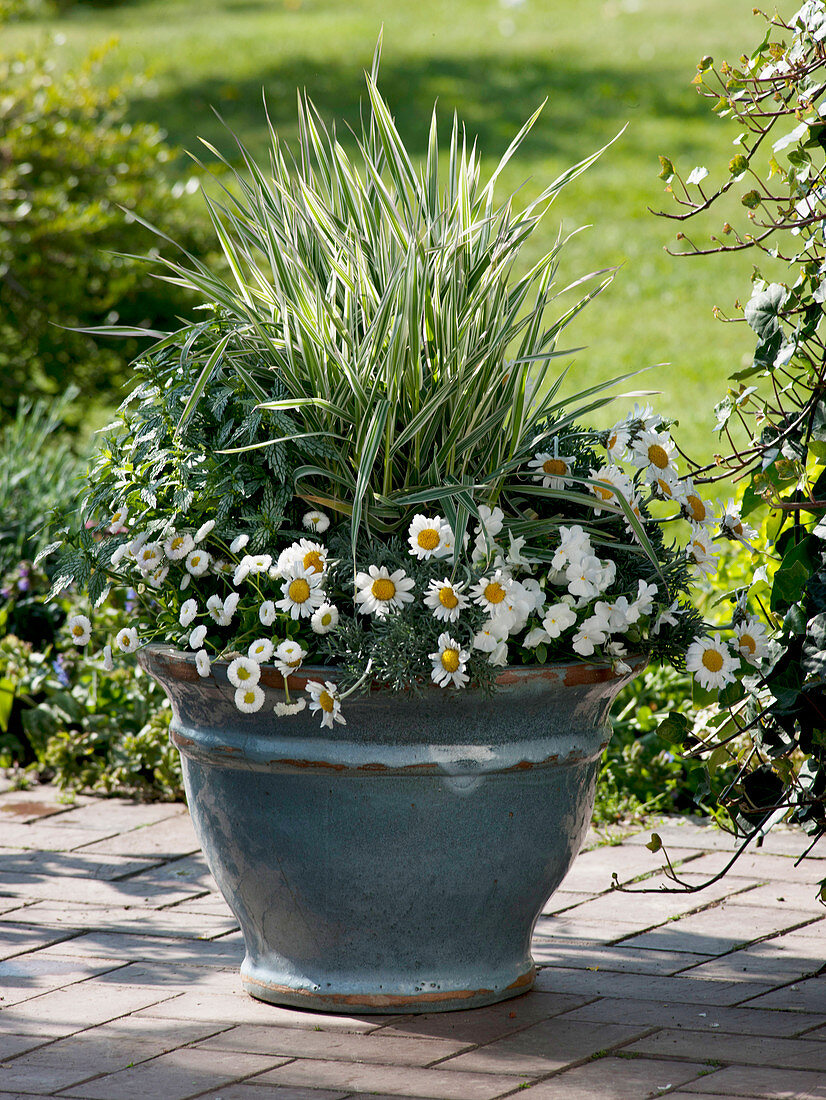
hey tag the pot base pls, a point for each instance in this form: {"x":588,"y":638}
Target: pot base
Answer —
{"x":361,"y":1000}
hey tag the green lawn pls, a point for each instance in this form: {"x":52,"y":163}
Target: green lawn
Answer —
{"x":601,"y":64}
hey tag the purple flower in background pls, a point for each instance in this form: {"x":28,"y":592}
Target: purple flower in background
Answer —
{"x":131,"y":600}
{"x":59,"y":666}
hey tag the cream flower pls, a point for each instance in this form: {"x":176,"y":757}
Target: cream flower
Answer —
{"x":380,"y":592}
{"x":267,"y":613}
{"x":127,"y":639}
{"x":325,"y":698}
{"x":491,"y":636}
{"x":249,"y":698}
{"x":426,"y":537}
{"x":711,"y":662}
{"x":491,"y":593}
{"x":243,"y":672}
{"x":554,"y":471}
{"x":202,"y":663}
{"x":239,"y":543}
{"x":574,"y":543}
{"x":197,"y":562}
{"x":196,"y":638}
{"x":204,"y":530}
{"x":446,"y":600}
{"x":558,"y":618}
{"x":316,"y":521}
{"x":80,"y":628}
{"x":260,"y":650}
{"x":287,"y":710}
{"x":751,"y":641}
{"x":449,"y":663}
{"x":178,"y":546}
{"x":644,"y":603}
{"x":324,"y":619}
{"x":189,"y":609}
{"x":301,"y":592}
{"x":289,"y":656}
{"x":585,"y":577}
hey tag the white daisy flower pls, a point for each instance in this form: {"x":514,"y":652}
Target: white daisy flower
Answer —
{"x":119,"y":554}
{"x":301,"y":592}
{"x":239,"y":543}
{"x":446,"y":600}
{"x":243,"y":672}
{"x":491,"y":593}
{"x":665,"y":486}
{"x":286,"y":710}
{"x":134,"y":546}
{"x":325,"y":698}
{"x":711,"y":662}
{"x":202,"y":663}
{"x":249,"y":698}
{"x":554,"y":471}
{"x":197,"y":562}
{"x":196,"y":638}
{"x":186,"y":580}
{"x":158,"y":576}
{"x":118,"y":519}
{"x":127,"y":639}
{"x":642,"y":418}
{"x":108,"y":663}
{"x":558,"y":618}
{"x":188,"y":611}
{"x":267,"y":613}
{"x":751,"y":641}
{"x":312,"y":555}
{"x":609,"y":480}
{"x":617,"y":443}
{"x":223,"y":610}
{"x":260,"y":650}
{"x":149,"y":557}
{"x":316,"y":521}
{"x":701,"y":551}
{"x":222,"y":568}
{"x":380,"y":592}
{"x":178,"y":546}
{"x":204,"y":530}
{"x":653,"y":452}
{"x":289,"y":656}
{"x":695,"y":509}
{"x":425,"y":537}
{"x":80,"y":627}
{"x":732,"y":525}
{"x":324,"y":619}
{"x":449,"y":663}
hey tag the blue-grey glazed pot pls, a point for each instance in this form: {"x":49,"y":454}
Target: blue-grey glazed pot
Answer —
{"x":396,"y":863}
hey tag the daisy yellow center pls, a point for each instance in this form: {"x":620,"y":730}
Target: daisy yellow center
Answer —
{"x":177,"y":543}
{"x":249,"y":697}
{"x":313,"y":560}
{"x":326,"y":618}
{"x":195,"y":559}
{"x":696,"y":508}
{"x":658,"y":456}
{"x":383,"y":589}
{"x":243,"y":673}
{"x":326,"y":702}
{"x":299,"y":590}
{"x":713,"y":660}
{"x":428,"y":538}
{"x":448,"y":598}
{"x":747,"y":642}
{"x":77,"y":630}
{"x":603,"y":490}
{"x":554,"y":466}
{"x":665,"y":488}
{"x":494,"y":592}
{"x":450,"y":659}
{"x":148,"y":555}
{"x":612,"y":442}
{"x":116,"y":518}
{"x":738,"y":528}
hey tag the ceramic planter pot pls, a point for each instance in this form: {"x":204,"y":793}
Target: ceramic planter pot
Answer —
{"x":396,"y":863}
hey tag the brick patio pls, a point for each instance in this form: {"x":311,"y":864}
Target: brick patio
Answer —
{"x":119,"y":979}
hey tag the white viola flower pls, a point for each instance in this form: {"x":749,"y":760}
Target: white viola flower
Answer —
{"x":490,"y":520}
{"x":186,"y":580}
{"x":197,"y":562}
{"x":732,"y":525}
{"x":316,"y":521}
{"x":196,"y":638}
{"x":301,"y":592}
{"x":554,"y":471}
{"x":325,"y":698}
{"x":249,"y":698}
{"x":127,"y":639}
{"x":695,"y":509}
{"x":607,"y":575}
{"x":243,"y":672}
{"x":653,"y":452}
{"x":449,"y":663}
{"x":108,"y":663}
{"x":80,"y":627}
{"x":149,"y":557}
{"x":239,"y":543}
{"x":118,"y":519}
{"x":532,"y":591}
{"x":158,"y":576}
{"x":324,"y":619}
{"x":666,"y":618}
{"x":751,"y":641}
{"x":644,"y":603}
{"x":260,"y":650}
{"x":178,"y":546}
{"x":617,"y":443}
{"x":514,"y":559}
{"x":574,"y":543}
{"x":119,"y":554}
{"x":616,"y":651}
{"x":289,"y":657}
{"x":701,"y":551}
{"x":585,"y":577}
{"x":499,"y":656}
{"x":491,"y":593}
{"x":204,"y":530}
{"x":446,"y":599}
{"x":518,"y":605}
{"x":621,"y":614}
{"x":536,"y":636}
{"x":189,"y":609}
{"x":711,"y":662}
{"x":287,"y":710}
{"x":608,"y":482}
{"x":492,"y":634}
{"x":558,"y":618}
{"x":425,"y":537}
{"x":591,"y":633}
{"x":380,"y":592}
{"x":267,"y":613}
{"x":202,"y":663}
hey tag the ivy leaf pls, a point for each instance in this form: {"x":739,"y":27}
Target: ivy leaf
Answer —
{"x":666,"y":169}
{"x":697,"y":175}
{"x":762,"y":310}
{"x":655,"y":843}
{"x":674,"y":728}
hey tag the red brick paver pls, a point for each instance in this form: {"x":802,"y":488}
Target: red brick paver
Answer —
{"x":119,"y":979}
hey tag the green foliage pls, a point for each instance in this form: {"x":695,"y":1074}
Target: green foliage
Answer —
{"x":72,"y":170}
